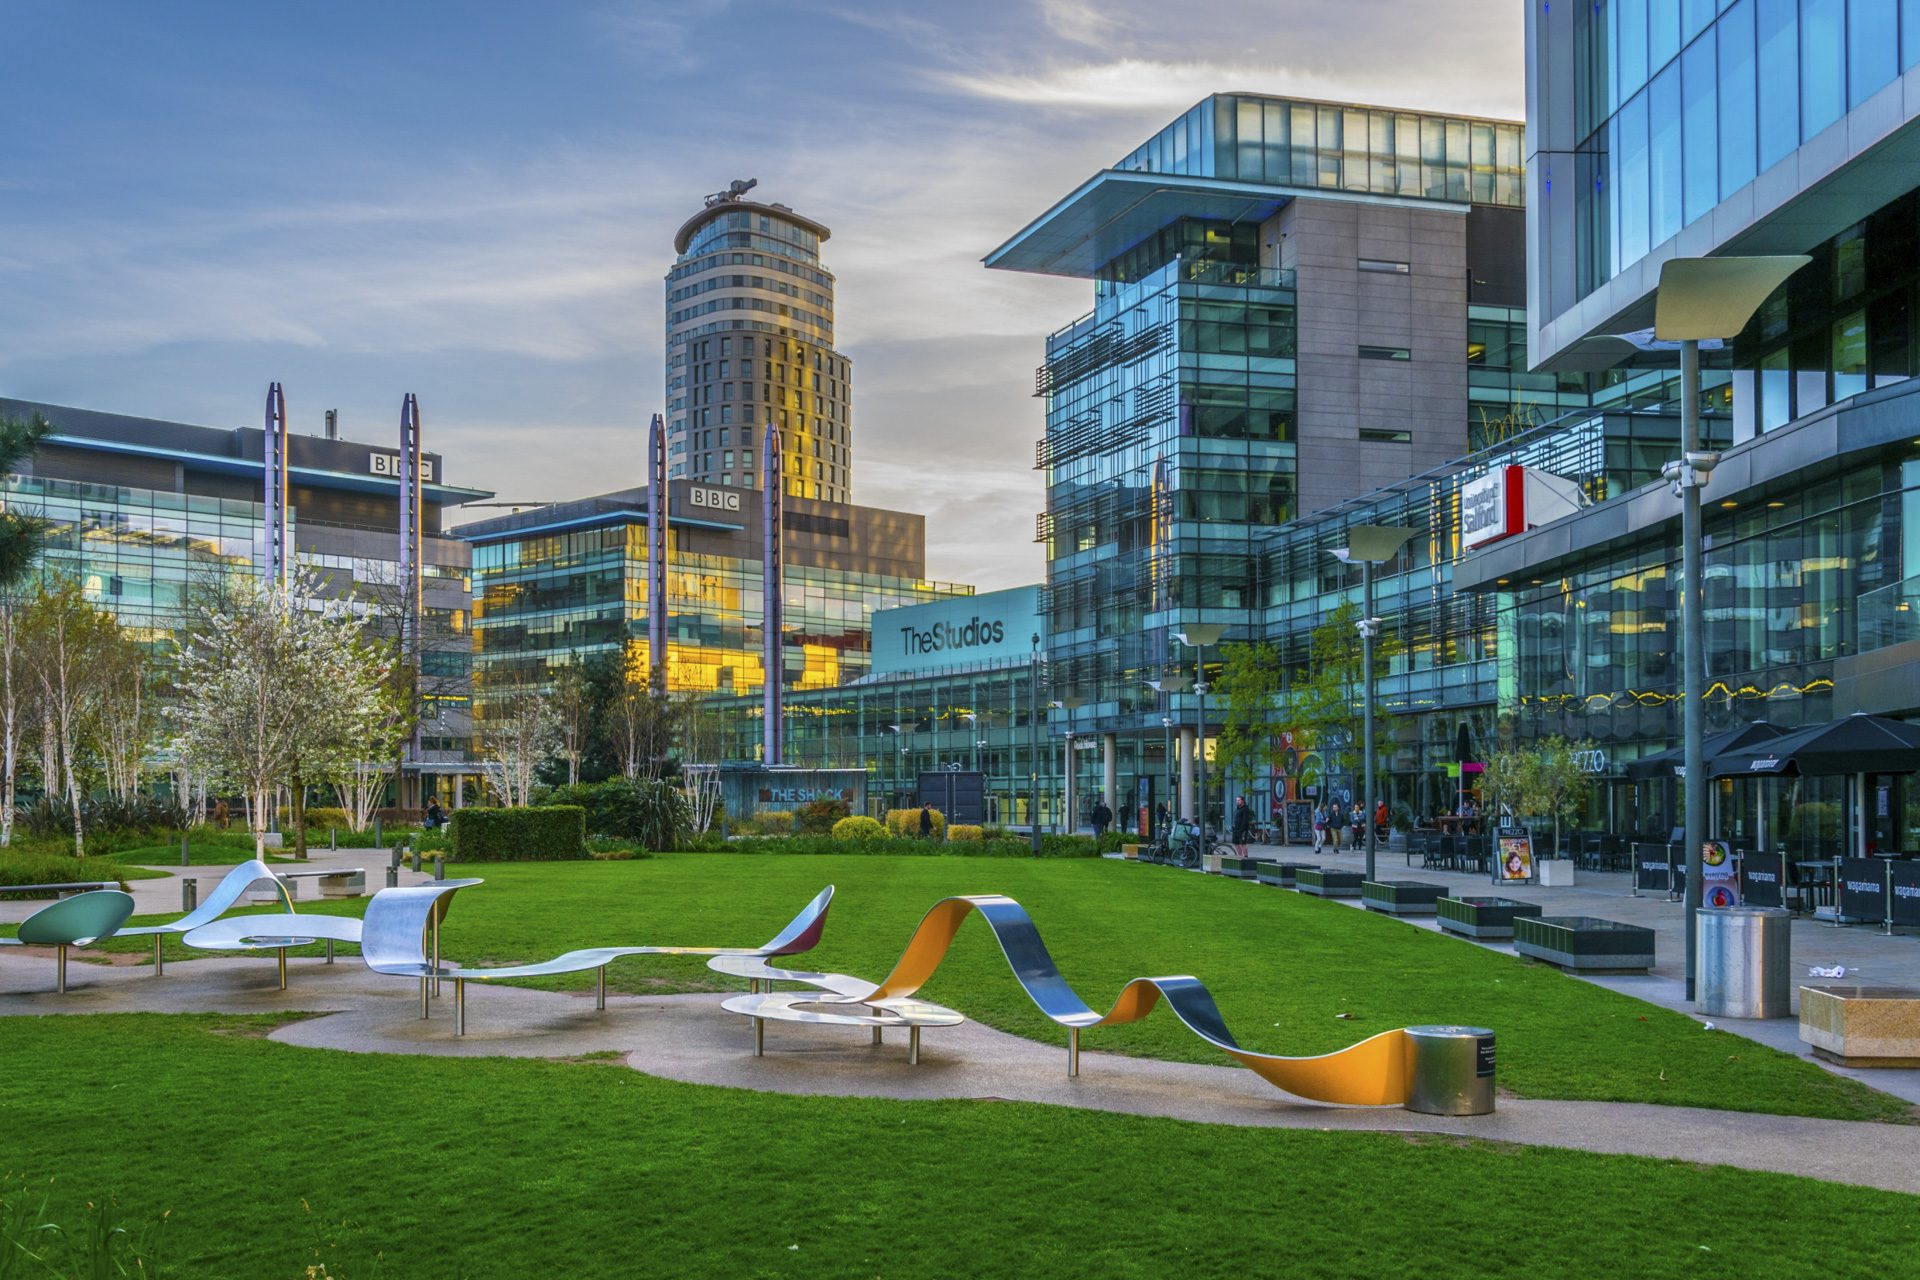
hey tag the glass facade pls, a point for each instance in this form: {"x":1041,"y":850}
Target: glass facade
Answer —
{"x":546,"y":600}
{"x":1680,"y":103}
{"x":1295,"y":143}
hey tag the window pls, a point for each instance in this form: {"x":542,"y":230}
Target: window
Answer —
{"x":1699,"y":135}
{"x":1385,"y":353}
{"x":1873,"y":53}
{"x":1822,"y":64}
{"x":1779,"y":39}
{"x":1737,"y":119}
{"x":1384,"y":267}
{"x":1385,"y":435}
{"x":1663,"y":152}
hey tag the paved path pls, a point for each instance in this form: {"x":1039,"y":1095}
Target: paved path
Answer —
{"x":690,"y":1038}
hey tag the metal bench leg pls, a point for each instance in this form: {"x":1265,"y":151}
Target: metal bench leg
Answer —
{"x":459,"y":1006}
{"x":1073,"y":1051}
{"x":436,"y":955}
{"x":423,"y":996}
{"x":759,"y":1037}
{"x":913,"y":1046}
{"x":60,"y":972}
{"x":877,"y":1038}
{"x":159,"y":965}
{"x":283,"y":968}
{"x":329,"y":950}
{"x":600,"y":988}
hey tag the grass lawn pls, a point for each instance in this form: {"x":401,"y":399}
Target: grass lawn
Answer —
{"x":1283,"y":966}
{"x":198,"y":854}
{"x":481,"y":1168}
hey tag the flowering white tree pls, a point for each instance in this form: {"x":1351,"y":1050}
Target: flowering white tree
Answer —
{"x":277,"y":689}
{"x":702,"y":734}
{"x":72,"y":650}
{"x":515,"y":743}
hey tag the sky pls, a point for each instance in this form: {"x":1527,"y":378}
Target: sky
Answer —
{"x":475,"y":202}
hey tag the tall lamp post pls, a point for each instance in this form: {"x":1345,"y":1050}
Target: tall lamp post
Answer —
{"x":1167,"y":686}
{"x":899,"y":751}
{"x":1369,"y":544}
{"x":1068,"y":703}
{"x":1197,"y":637}
{"x":973,"y":723}
{"x":1033,"y":745}
{"x":1702,"y":299}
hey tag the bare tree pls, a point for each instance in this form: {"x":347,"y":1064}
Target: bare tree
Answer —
{"x":702,"y":738}
{"x":15,"y":702}
{"x":639,"y":727}
{"x":572,"y":703}
{"x":69,"y":646}
{"x":125,"y":728}
{"x":515,"y":743}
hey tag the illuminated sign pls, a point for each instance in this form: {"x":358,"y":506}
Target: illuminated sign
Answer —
{"x":995,"y":626}
{"x":1513,"y":499}
{"x":388,"y":464}
{"x":714,"y":499}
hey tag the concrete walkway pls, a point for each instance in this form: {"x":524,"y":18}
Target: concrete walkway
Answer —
{"x":689,"y":1038}
{"x":1868,"y":955}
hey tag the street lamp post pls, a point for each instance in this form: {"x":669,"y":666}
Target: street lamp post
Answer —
{"x":1167,"y":686}
{"x":973,"y":723}
{"x":1197,"y":637}
{"x":1068,"y":703}
{"x":1033,"y":746}
{"x":893,"y":792}
{"x":1702,"y":299}
{"x":1370,"y":544}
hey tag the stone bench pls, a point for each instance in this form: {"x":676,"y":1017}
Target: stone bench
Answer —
{"x":1482,"y":916}
{"x":1241,"y":868}
{"x":1401,"y":897}
{"x":1283,"y":873}
{"x":1862,"y":1026}
{"x":1585,"y":944}
{"x":1323,"y":882}
{"x":338,"y":882}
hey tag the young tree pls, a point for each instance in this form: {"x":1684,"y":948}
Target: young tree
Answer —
{"x":514,"y":744}
{"x":702,"y":736}
{"x":634,"y":726}
{"x":277,"y":688}
{"x":1325,"y":700}
{"x":69,"y":647}
{"x":572,"y":702}
{"x":125,"y":725}
{"x":15,"y":704}
{"x":1249,"y":689}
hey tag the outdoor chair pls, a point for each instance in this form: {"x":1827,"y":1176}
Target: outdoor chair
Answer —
{"x":224,"y":895}
{"x":73,"y":922}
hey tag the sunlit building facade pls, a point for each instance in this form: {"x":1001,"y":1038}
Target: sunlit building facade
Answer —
{"x":750,"y":342}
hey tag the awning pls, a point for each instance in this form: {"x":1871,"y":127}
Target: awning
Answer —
{"x":1860,"y":743}
{"x":1673,"y":764}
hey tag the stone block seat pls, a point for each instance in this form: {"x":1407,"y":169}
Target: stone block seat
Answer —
{"x":1482,"y":915}
{"x":1585,"y":944}
{"x":1401,"y":897}
{"x":1859,"y":1026}
{"x":1328,"y":882}
{"x":1283,"y":873}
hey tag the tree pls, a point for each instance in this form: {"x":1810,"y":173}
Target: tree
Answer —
{"x":21,"y":532}
{"x":1249,"y":686}
{"x":702,"y":735}
{"x":515,"y":743}
{"x":70,"y":647}
{"x":572,"y":702}
{"x":1555,"y":781}
{"x":279,"y":690}
{"x":14,"y":705}
{"x":633,"y":725}
{"x":125,"y":724}
{"x":1325,"y":700}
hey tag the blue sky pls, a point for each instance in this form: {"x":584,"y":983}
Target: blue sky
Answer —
{"x":475,"y":202}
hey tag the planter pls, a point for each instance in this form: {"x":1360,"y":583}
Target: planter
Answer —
{"x":1585,"y":944}
{"x":1282,"y":873}
{"x":1212,"y":863}
{"x":1556,"y":873}
{"x":1862,"y":1026}
{"x":1240,"y":868}
{"x":1323,"y":883}
{"x":1130,"y":850}
{"x":1483,"y":916}
{"x":1401,"y":897}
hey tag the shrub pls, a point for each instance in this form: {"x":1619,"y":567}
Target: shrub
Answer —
{"x":319,"y":818}
{"x":45,"y":868}
{"x":650,"y":811}
{"x":818,"y":817}
{"x":858,"y":827}
{"x":614,"y":849}
{"x":962,"y":831}
{"x":548,"y":832}
{"x":769,"y":822}
{"x":906,"y":822}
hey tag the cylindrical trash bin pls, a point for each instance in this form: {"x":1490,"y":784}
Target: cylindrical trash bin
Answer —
{"x":1745,"y":966}
{"x":1450,"y":1071}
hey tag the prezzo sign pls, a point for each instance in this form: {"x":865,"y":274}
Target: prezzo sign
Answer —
{"x":714,"y":499}
{"x":388,"y":464}
{"x":996,"y":626}
{"x":1592,"y":760}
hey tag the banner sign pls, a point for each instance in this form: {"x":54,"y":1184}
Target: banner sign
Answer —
{"x":1719,"y":875}
{"x":1299,"y":822}
{"x":1906,"y":892}
{"x":1763,"y":878}
{"x":1863,"y":889}
{"x":1513,"y":856}
{"x":1656,"y":870}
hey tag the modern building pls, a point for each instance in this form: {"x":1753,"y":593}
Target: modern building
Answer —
{"x":145,"y":513}
{"x":1294,"y":303}
{"x":750,"y":341}
{"x":1658,"y":131}
{"x":562,"y":585}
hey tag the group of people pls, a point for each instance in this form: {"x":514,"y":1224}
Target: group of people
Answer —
{"x":1332,"y":818}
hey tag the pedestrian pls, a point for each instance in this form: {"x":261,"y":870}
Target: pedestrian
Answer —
{"x":435,"y":817}
{"x":926,"y":822}
{"x":222,"y":815}
{"x":1242,"y":826}
{"x":1160,"y":816}
{"x":1380,"y":817}
{"x":1102,"y":818}
{"x":1319,"y":826}
{"x":1336,"y":819}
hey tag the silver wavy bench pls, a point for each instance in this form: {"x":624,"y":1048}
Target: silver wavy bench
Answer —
{"x":225,"y":894}
{"x":835,"y":1001}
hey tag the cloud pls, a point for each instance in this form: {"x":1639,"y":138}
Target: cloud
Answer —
{"x":655,"y":35}
{"x":1080,"y":21}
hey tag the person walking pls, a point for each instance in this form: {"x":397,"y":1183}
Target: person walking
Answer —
{"x":926,"y":822}
{"x":1319,"y":826}
{"x":1242,"y":826}
{"x":1102,"y":818}
{"x":1336,"y":819}
{"x":435,"y":817}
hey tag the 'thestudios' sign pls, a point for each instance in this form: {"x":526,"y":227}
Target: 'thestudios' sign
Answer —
{"x":997,"y":626}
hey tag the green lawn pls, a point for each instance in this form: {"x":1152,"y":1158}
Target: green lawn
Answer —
{"x":1283,"y":966}
{"x":199,"y":854}
{"x":273,"y":1159}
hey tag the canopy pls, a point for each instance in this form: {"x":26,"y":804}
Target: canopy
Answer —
{"x":1858,"y":744}
{"x":1674,"y":763}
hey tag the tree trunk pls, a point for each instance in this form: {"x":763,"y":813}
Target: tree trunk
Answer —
{"x":299,"y":805}
{"x":73,"y":796}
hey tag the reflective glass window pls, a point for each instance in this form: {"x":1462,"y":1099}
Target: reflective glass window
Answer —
{"x":1738,"y":116}
{"x":1873,"y":47}
{"x":1779,"y":38}
{"x":1849,"y":355}
{"x":1694,"y":17}
{"x":1700,"y":138}
{"x":1822,"y":64}
{"x":1633,"y":46}
{"x":1663,"y":33}
{"x":1631,"y":185}
{"x":1909,"y":33}
{"x":1663,"y":154}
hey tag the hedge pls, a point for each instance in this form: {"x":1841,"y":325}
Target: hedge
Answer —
{"x":45,"y":868}
{"x":547,"y":833}
{"x":1015,"y":846}
{"x":858,"y":827}
{"x":906,"y":822}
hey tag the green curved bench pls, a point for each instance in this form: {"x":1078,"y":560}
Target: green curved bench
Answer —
{"x":73,"y":922}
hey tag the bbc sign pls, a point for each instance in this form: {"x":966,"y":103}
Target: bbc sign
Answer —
{"x":714,"y":499}
{"x":388,"y":464}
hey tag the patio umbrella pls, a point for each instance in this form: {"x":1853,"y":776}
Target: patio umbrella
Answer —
{"x":1860,"y":743}
{"x":1673,"y":763}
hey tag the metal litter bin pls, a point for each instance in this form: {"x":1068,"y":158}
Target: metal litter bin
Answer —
{"x":1450,"y":1071}
{"x":1745,"y":963}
